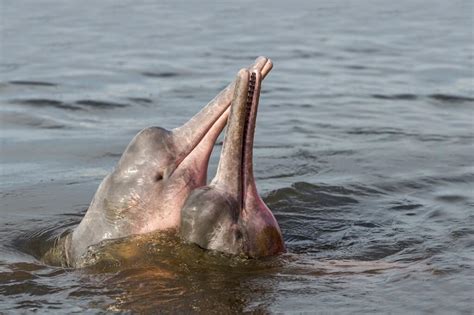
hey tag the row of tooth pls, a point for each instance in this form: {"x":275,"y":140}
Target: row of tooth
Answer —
{"x":251,"y":90}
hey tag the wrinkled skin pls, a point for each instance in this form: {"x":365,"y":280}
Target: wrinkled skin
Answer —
{"x":229,"y":215}
{"x":152,"y":180}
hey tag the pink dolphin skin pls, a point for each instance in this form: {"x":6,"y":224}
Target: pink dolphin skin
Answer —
{"x":229,"y":215}
{"x":155,"y":176}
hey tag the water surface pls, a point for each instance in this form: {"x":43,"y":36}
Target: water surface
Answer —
{"x":363,"y":149}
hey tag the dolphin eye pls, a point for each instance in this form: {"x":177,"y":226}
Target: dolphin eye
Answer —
{"x":158,"y":177}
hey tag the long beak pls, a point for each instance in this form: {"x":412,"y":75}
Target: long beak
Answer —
{"x":188,"y":136}
{"x":247,"y":165}
{"x":234,"y":168}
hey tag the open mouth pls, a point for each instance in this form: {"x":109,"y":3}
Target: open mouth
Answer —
{"x":248,"y":108}
{"x":250,"y":99}
{"x":249,"y":125}
{"x":235,"y":171}
{"x":196,"y":138}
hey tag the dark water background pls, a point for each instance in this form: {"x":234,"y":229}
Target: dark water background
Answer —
{"x":364,"y":149}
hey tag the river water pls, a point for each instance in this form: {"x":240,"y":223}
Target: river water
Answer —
{"x":363,"y":149}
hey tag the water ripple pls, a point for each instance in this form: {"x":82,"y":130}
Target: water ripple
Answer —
{"x":32,"y":83}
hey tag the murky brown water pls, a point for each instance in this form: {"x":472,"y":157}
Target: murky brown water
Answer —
{"x":364,"y":151}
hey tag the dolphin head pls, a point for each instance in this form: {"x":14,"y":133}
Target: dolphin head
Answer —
{"x":228,"y":215}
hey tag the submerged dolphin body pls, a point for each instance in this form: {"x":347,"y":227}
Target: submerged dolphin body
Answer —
{"x":151,"y":182}
{"x":229,"y":215}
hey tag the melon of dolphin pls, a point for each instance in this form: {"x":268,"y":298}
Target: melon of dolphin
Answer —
{"x":229,"y":215}
{"x":152,"y":180}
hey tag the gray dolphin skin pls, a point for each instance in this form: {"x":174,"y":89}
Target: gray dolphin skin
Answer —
{"x":229,"y":215}
{"x":152,"y":180}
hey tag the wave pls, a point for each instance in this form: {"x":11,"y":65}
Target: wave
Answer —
{"x":79,"y":105}
{"x":160,"y":74}
{"x":32,"y":83}
{"x":43,"y":102}
{"x":446,"y":98}
{"x":26,"y":119}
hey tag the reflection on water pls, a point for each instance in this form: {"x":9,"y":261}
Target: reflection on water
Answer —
{"x":161,"y":272}
{"x":363,"y":151}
